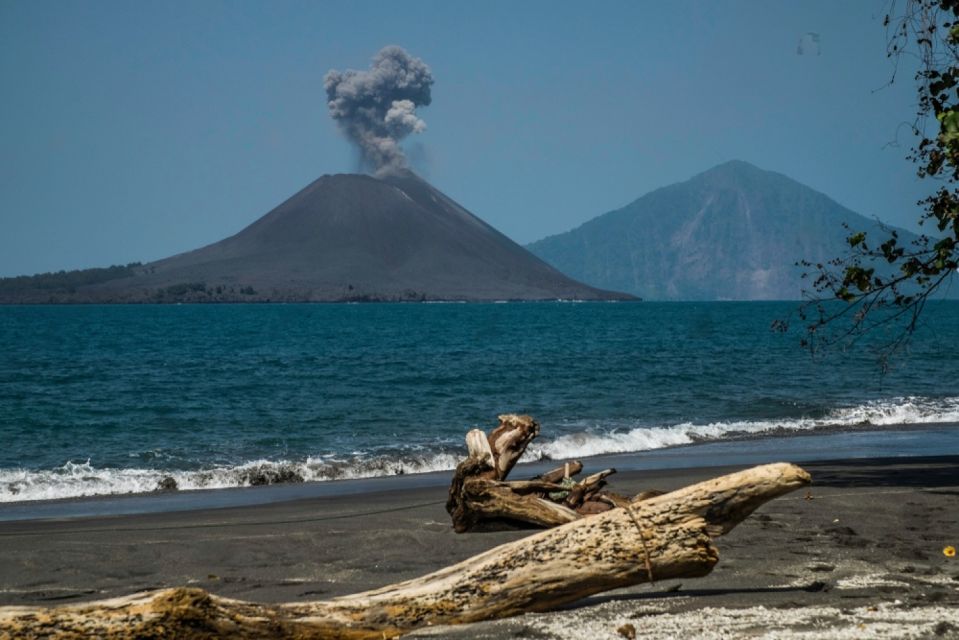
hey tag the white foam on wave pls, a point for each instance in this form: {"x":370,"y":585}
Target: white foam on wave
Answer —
{"x":896,"y":411}
{"x":85,"y":479}
{"x":910,"y":410}
{"x":594,"y":443}
{"x":74,"y":480}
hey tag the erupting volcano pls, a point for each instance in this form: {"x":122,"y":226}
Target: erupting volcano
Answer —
{"x":383,"y":237}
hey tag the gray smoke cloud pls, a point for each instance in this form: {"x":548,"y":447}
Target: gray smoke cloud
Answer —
{"x":377,"y":108}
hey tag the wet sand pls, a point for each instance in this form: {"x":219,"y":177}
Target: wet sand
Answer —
{"x":861,"y":553}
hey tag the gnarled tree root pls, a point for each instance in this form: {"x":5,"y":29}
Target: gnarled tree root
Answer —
{"x":480,"y":497}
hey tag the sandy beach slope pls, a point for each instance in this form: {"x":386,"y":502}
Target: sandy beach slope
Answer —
{"x":859,"y":555}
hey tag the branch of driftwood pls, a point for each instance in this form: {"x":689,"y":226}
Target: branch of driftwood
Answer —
{"x":481,"y":497}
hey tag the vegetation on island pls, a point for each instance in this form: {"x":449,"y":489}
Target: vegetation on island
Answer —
{"x":73,"y":287}
{"x":83,"y":286}
{"x":65,"y":281}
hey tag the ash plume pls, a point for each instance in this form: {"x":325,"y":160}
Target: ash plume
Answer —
{"x":376,"y":109}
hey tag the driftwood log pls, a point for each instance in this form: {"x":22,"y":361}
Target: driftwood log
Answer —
{"x":480,"y":496}
{"x":669,"y":536}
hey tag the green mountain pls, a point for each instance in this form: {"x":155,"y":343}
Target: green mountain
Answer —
{"x":734,"y":232}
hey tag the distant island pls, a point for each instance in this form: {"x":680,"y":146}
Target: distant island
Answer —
{"x":734,"y":232}
{"x":343,"y":238}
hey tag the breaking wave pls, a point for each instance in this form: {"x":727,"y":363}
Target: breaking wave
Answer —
{"x":897,"y":411}
{"x":84,"y":479}
{"x":75,"y":479}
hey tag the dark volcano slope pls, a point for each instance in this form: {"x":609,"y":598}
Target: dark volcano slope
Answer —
{"x":342,"y":238}
{"x":734,"y":232}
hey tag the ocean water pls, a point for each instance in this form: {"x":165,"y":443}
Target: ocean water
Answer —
{"x":111,"y":399}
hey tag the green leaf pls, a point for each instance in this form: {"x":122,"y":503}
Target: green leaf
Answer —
{"x":856,"y":239}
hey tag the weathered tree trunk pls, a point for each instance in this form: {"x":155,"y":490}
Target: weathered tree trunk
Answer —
{"x":668,"y":536}
{"x":480,"y":496}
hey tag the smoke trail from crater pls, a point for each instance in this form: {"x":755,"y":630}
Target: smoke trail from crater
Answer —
{"x":376,"y":109}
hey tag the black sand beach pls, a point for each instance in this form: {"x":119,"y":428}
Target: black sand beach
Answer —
{"x":862,"y":550}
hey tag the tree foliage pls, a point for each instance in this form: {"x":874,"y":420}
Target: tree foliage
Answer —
{"x":66,"y":280}
{"x":882,"y":286}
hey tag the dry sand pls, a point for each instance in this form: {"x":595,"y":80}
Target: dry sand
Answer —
{"x":859,"y":556}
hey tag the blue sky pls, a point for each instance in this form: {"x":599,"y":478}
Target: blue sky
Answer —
{"x":130,"y":131}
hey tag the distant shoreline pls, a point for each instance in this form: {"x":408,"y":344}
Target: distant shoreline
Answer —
{"x":94,"y":303}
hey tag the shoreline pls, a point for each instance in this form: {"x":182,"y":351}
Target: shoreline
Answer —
{"x":840,"y":443}
{"x":868,"y":536}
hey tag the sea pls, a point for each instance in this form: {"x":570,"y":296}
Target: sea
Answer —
{"x":112,"y":400}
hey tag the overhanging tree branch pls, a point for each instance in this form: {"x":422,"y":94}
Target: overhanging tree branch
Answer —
{"x":884,"y":287}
